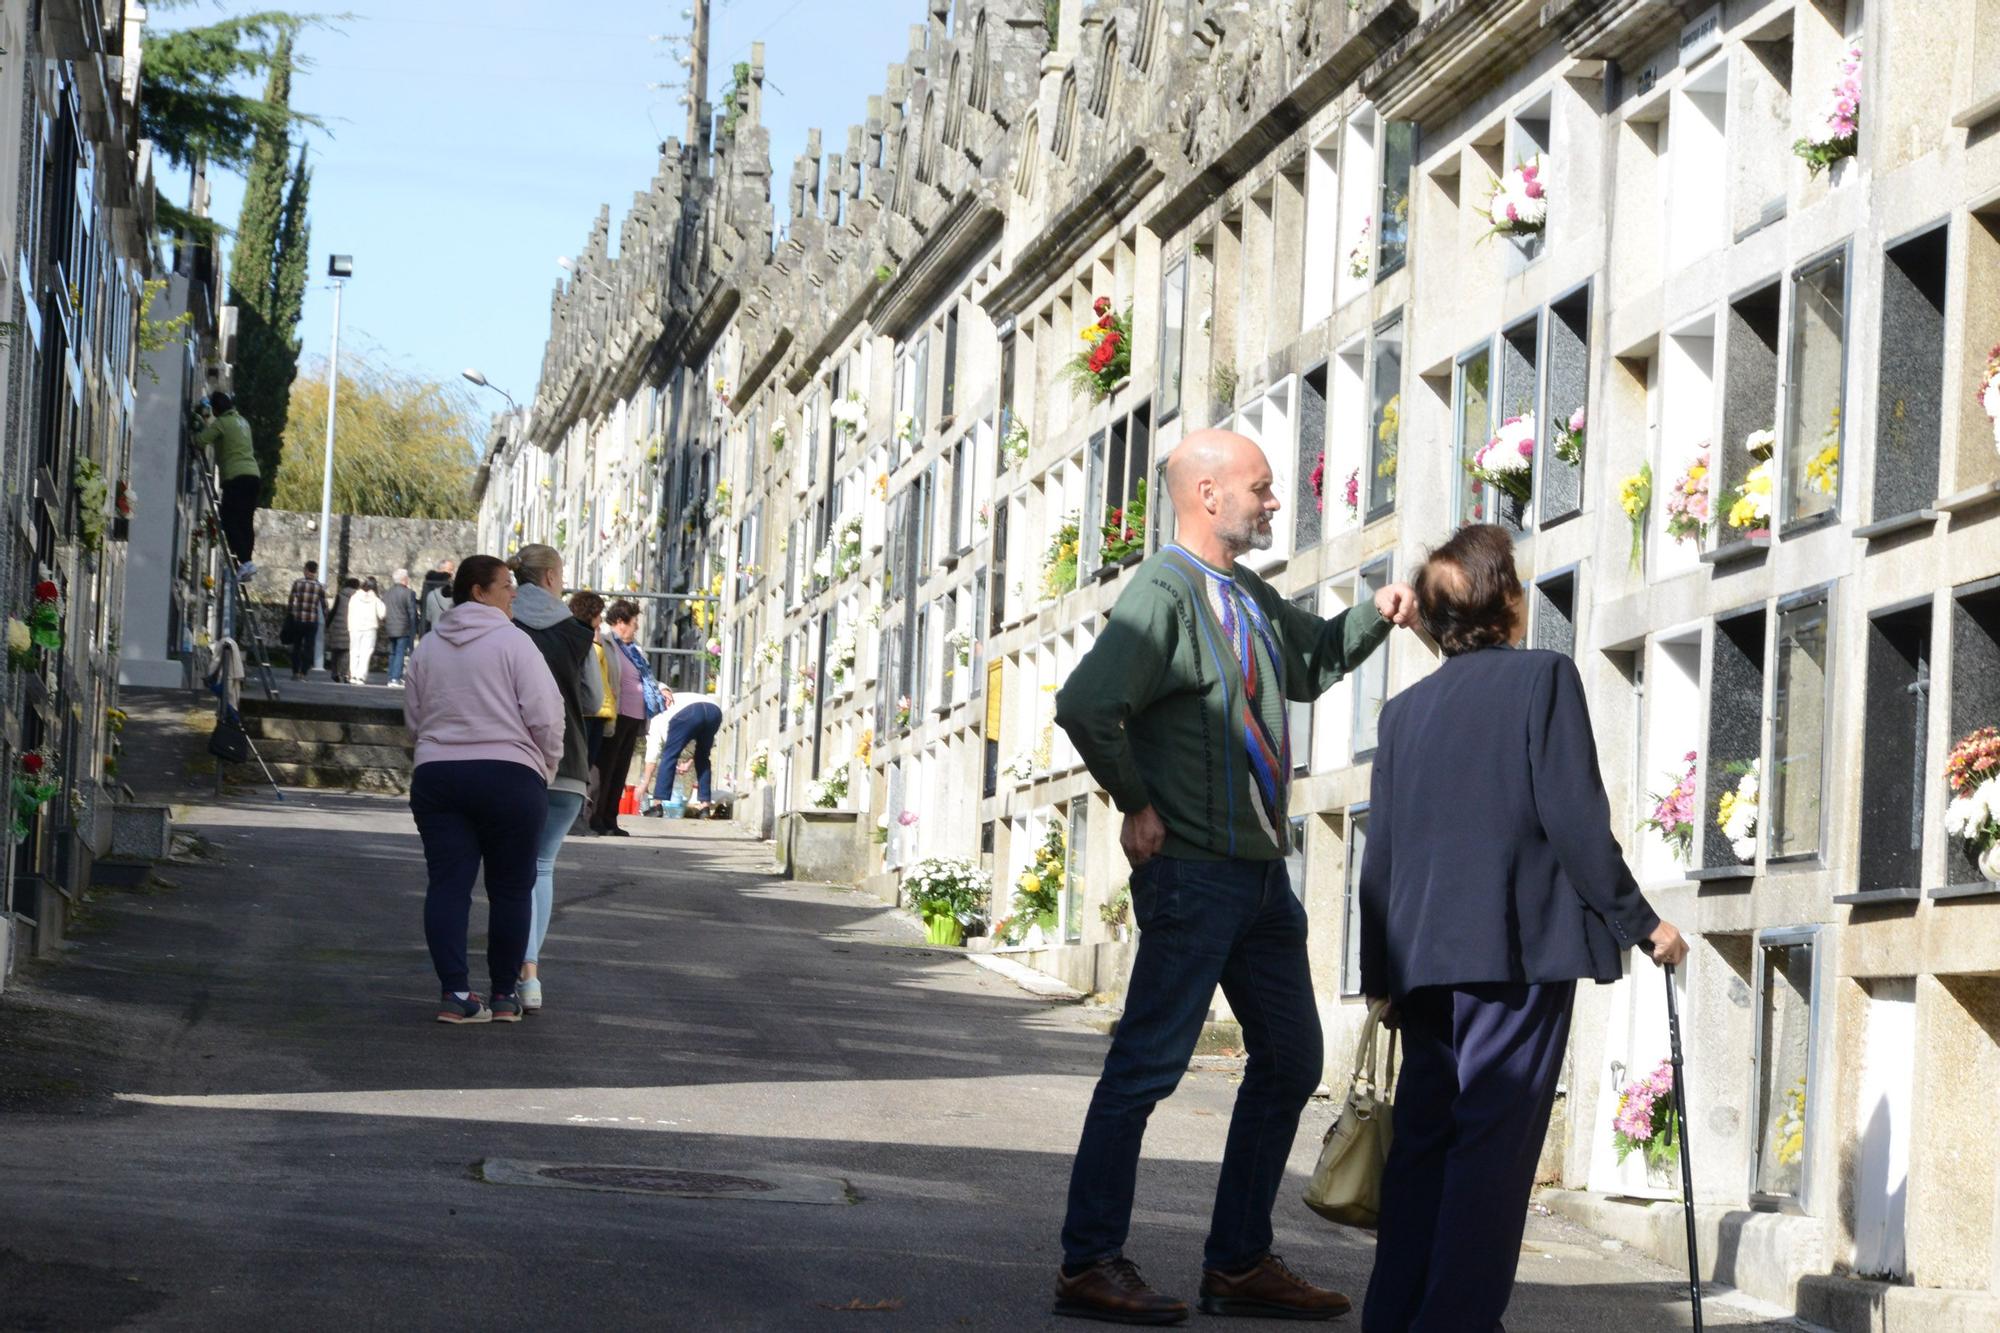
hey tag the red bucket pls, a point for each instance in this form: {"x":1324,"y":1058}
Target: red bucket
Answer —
{"x":628,"y":804}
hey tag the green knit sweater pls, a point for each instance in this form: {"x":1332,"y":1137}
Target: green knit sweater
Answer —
{"x":1154,"y":706}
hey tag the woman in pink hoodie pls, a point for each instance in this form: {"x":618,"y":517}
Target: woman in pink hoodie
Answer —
{"x":488,"y":721}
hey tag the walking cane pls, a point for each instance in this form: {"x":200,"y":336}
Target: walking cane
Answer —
{"x":1687,"y":1168}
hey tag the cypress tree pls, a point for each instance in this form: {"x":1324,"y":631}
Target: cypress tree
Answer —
{"x":266,"y":353}
{"x":293,"y":263}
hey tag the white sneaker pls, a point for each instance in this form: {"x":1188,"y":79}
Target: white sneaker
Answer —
{"x":529,"y":989}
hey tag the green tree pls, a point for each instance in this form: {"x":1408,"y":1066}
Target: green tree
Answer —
{"x":191,"y":105}
{"x":404,"y":446}
{"x":268,"y":264}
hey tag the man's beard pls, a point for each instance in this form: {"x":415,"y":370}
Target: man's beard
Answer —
{"x":1252,"y":534}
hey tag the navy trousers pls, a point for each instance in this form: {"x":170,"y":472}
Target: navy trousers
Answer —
{"x":469,"y":812}
{"x":697,"y":723}
{"x":1200,"y":923}
{"x":1480,"y":1066}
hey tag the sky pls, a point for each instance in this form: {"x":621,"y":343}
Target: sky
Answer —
{"x":463,"y":155}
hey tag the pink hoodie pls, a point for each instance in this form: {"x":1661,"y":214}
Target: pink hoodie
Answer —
{"x":478,"y":688}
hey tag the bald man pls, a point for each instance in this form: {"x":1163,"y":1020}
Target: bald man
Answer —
{"x":1181,"y":711}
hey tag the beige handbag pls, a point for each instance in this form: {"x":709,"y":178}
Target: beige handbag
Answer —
{"x":1347,"y":1184}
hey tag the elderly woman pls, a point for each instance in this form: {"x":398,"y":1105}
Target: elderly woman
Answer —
{"x":1491,"y":885}
{"x":488,"y":719}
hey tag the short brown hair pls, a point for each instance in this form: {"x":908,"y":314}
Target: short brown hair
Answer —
{"x":478,"y":571}
{"x":1466,"y":590}
{"x":585,"y":606}
{"x":620,"y":611}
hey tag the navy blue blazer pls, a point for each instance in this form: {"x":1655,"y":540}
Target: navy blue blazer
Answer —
{"x":1490,"y":855}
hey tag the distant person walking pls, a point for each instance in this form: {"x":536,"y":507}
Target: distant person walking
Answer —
{"x":565,"y":644}
{"x":336,"y":629}
{"x":638,"y":700}
{"x":688,"y":719}
{"x":588,"y":608}
{"x":365,"y":613}
{"x":488,"y":722}
{"x":399,"y":622}
{"x":305,"y":608}
{"x":436,"y":599}
{"x":226,"y":439}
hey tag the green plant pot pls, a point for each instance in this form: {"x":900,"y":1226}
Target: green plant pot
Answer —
{"x":944,"y":930}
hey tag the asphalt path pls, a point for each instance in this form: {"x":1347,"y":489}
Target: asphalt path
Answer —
{"x":227,"y":1106}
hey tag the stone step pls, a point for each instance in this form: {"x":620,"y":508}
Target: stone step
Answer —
{"x":381,"y":781}
{"x":325,"y":731}
{"x":327,"y":755}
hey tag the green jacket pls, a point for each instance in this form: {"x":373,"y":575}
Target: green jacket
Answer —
{"x":227,"y":438}
{"x":1153,"y":706}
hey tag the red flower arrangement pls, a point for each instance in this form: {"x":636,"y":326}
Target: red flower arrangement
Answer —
{"x":35,"y":784}
{"x":1973,"y":761}
{"x":45,"y":620}
{"x":1318,"y":481}
{"x":1108,"y":360}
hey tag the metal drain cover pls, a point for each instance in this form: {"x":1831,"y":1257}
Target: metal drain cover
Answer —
{"x":673,"y":1182}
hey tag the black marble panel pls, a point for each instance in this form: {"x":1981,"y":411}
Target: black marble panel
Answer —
{"x":1909,"y":406}
{"x":1560,"y":486}
{"x":1749,"y":399}
{"x":1735,"y":720}
{"x":1975,"y":687}
{"x":1555,"y":614}
{"x":1894,"y":782}
{"x":1309,"y":511}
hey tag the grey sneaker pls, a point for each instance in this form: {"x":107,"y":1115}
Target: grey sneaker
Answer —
{"x":471,"y":1009}
{"x":529,"y":989}
{"x":506,"y":1008}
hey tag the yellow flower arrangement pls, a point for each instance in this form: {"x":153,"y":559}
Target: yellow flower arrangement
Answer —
{"x":1752,"y":506}
{"x":1635,"y":497}
{"x":867,"y":746}
{"x":1823,"y":472}
{"x":1790,"y":1134}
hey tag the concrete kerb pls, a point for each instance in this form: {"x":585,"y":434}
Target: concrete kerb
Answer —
{"x":1856,"y":1305}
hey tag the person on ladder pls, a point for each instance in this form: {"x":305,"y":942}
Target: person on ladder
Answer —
{"x":226,"y":439}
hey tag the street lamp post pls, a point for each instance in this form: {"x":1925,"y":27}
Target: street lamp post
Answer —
{"x":340,"y":268}
{"x":484,"y":383}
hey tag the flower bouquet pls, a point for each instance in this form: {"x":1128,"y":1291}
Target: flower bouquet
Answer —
{"x":1351,"y":494}
{"x":1107,"y":359}
{"x":826,"y":793}
{"x":1645,"y":1122}
{"x":1508,"y":459}
{"x":20,"y":645}
{"x":93,"y":504}
{"x":958,"y":642}
{"x":1519,"y":204}
{"x":1014,"y":444}
{"x":1973,"y":772}
{"x":1749,"y":508}
{"x":36,"y":782}
{"x":847,"y":551}
{"x":778,"y":437}
{"x":949,"y":893}
{"x":760,"y":761}
{"x":1124,"y":528}
{"x":1059,"y":564}
{"x":1038,"y":893}
{"x":1357,"y":258}
{"x":1635,"y":497}
{"x":1788,"y":1136}
{"x":1673,"y":814}
{"x":45,"y":619}
{"x":850,"y":414}
{"x":1836,"y":130}
{"x":904,"y":712}
{"x":1736,"y":811}
{"x":1568,"y":443}
{"x":1688,"y":507}
{"x":1989,"y":393}
{"x":1823,"y":468}
{"x":1317,"y":480}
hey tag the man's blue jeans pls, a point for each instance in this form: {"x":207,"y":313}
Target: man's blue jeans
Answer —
{"x":399,"y":651}
{"x":1201,"y":923}
{"x":697,"y":723}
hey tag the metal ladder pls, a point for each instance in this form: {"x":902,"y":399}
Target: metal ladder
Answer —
{"x":239,"y":617}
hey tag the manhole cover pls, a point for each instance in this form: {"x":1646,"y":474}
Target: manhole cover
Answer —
{"x":655,"y":1180}
{"x":673,"y":1182}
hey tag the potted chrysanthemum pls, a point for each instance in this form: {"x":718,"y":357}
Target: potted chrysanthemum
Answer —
{"x":950,"y":894}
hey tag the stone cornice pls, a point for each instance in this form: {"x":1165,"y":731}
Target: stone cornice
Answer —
{"x":969,"y":227}
{"x":1622,"y":30}
{"x":1463,"y":49}
{"x":1067,"y":236}
{"x":1283,"y":118}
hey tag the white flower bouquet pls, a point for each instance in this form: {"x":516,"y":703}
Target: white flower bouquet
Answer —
{"x":1519,"y":204}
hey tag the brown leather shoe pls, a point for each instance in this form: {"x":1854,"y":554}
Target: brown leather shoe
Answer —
{"x":1112,"y":1290}
{"x":1269,"y":1290}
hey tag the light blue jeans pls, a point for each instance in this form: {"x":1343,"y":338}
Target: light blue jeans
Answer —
{"x":563,"y":809}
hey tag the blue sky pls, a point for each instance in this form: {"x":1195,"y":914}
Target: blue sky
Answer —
{"x":466,"y":153}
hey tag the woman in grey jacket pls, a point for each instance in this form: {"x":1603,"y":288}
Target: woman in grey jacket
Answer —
{"x":565,"y":644}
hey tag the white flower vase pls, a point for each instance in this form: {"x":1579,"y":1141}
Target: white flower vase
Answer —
{"x":1989,"y":863}
{"x":1035,"y":939}
{"x":1662,"y":1175}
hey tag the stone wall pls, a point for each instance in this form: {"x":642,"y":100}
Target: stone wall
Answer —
{"x":360,"y":545}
